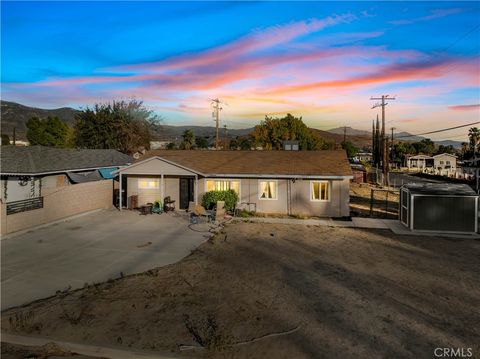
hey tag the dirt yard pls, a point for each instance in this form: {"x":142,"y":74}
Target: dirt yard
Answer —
{"x":278,"y":291}
{"x":383,"y":206}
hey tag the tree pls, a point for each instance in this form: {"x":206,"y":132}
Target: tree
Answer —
{"x":171,"y":146}
{"x":188,"y":140}
{"x":350,"y":149}
{"x":446,"y":149}
{"x":49,"y":132}
{"x":400,"y":151}
{"x":426,"y":146}
{"x":201,"y":142}
{"x":272,"y":132}
{"x":121,"y":125}
{"x":5,"y":139}
{"x":245,"y":143}
{"x":474,"y":140}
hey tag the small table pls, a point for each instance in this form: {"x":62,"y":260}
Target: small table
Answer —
{"x":146,"y":209}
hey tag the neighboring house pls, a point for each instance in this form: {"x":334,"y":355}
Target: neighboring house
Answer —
{"x":445,"y":161}
{"x":27,"y":171}
{"x":314,"y":183}
{"x":363,"y":157}
{"x":40,"y":185}
{"x":420,"y":162}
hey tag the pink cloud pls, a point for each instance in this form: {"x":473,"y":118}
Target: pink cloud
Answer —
{"x":464,"y":107}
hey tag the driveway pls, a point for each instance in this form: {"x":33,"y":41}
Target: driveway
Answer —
{"x":92,"y":248}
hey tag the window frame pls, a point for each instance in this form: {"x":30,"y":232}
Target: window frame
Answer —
{"x":157,"y":180}
{"x":260,"y":189}
{"x":229,"y":180}
{"x":329,"y":188}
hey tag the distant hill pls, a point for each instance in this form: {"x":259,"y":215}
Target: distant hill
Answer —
{"x":14,"y":115}
{"x":357,"y":136}
{"x":168,"y":132}
{"x":350,"y":131}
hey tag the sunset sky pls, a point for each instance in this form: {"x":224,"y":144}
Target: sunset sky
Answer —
{"x":319,"y":60}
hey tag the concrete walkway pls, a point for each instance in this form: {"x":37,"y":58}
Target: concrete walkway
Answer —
{"x":84,"y":349}
{"x":92,"y":248}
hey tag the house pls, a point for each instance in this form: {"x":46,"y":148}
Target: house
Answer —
{"x":365,"y":157}
{"x":43,"y":184}
{"x":420,"y":162}
{"x":445,"y":161}
{"x":314,"y":183}
{"x":26,"y":171}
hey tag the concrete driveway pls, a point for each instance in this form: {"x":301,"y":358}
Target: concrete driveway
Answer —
{"x":92,"y":248}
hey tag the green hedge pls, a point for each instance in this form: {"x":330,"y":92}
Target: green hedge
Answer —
{"x":210,"y":199}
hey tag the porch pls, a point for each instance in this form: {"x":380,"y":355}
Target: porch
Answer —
{"x":154,"y":180}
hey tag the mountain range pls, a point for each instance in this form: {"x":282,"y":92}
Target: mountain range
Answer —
{"x":15,"y":115}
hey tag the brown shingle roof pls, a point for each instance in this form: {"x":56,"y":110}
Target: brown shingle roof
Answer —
{"x":297,"y":163}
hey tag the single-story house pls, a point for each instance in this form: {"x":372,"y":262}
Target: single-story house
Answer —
{"x":445,"y":161}
{"x":420,"y":162}
{"x":26,"y":171}
{"x":314,"y":183}
{"x":43,"y":184}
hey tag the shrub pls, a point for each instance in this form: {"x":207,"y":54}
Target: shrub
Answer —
{"x":210,"y":199}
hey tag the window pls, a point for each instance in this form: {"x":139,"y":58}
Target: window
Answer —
{"x":441,"y":162}
{"x":223,"y":185}
{"x":319,"y":191}
{"x":267,"y":190}
{"x":448,"y":162}
{"x":148,"y":183}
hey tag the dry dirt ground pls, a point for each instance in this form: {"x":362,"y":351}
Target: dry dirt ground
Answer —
{"x":383,"y":206}
{"x":282,"y":291}
{"x":48,"y":351}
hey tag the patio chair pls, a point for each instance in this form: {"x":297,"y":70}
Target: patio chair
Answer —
{"x":168,"y":204}
{"x":200,"y":211}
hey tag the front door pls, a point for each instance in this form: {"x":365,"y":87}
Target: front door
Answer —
{"x":186,"y":192}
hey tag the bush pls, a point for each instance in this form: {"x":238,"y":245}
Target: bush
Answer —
{"x":210,"y":199}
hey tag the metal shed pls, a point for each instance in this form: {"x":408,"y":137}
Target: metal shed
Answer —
{"x":439,"y":207}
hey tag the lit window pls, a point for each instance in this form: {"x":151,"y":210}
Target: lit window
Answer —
{"x":267,"y":189}
{"x":223,"y":185}
{"x":148,"y":183}
{"x":320,"y":191}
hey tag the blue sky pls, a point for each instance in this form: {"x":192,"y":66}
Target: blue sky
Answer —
{"x":320,"y":60}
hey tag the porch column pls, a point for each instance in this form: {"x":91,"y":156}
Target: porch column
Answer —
{"x":196,"y":189}
{"x":120,"y":193}
{"x":162,"y":189}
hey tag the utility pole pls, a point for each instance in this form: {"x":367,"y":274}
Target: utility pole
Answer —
{"x":225,"y":137}
{"x":14,"y":136}
{"x":216,"y":114}
{"x":383,"y":142}
{"x":344,"y":134}
{"x":391,"y":145}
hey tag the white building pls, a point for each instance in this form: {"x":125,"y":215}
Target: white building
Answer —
{"x":445,"y":161}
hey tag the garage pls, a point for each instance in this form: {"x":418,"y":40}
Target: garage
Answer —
{"x":439,"y":207}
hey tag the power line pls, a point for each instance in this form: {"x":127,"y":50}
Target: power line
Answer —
{"x":442,"y":130}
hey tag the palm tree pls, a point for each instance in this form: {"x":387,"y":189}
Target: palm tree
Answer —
{"x":188,"y":139}
{"x":474,"y":139}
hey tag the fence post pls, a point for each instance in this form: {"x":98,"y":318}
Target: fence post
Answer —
{"x":371,"y":202}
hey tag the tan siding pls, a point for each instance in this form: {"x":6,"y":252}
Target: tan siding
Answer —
{"x":63,"y":202}
{"x":156,"y":167}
